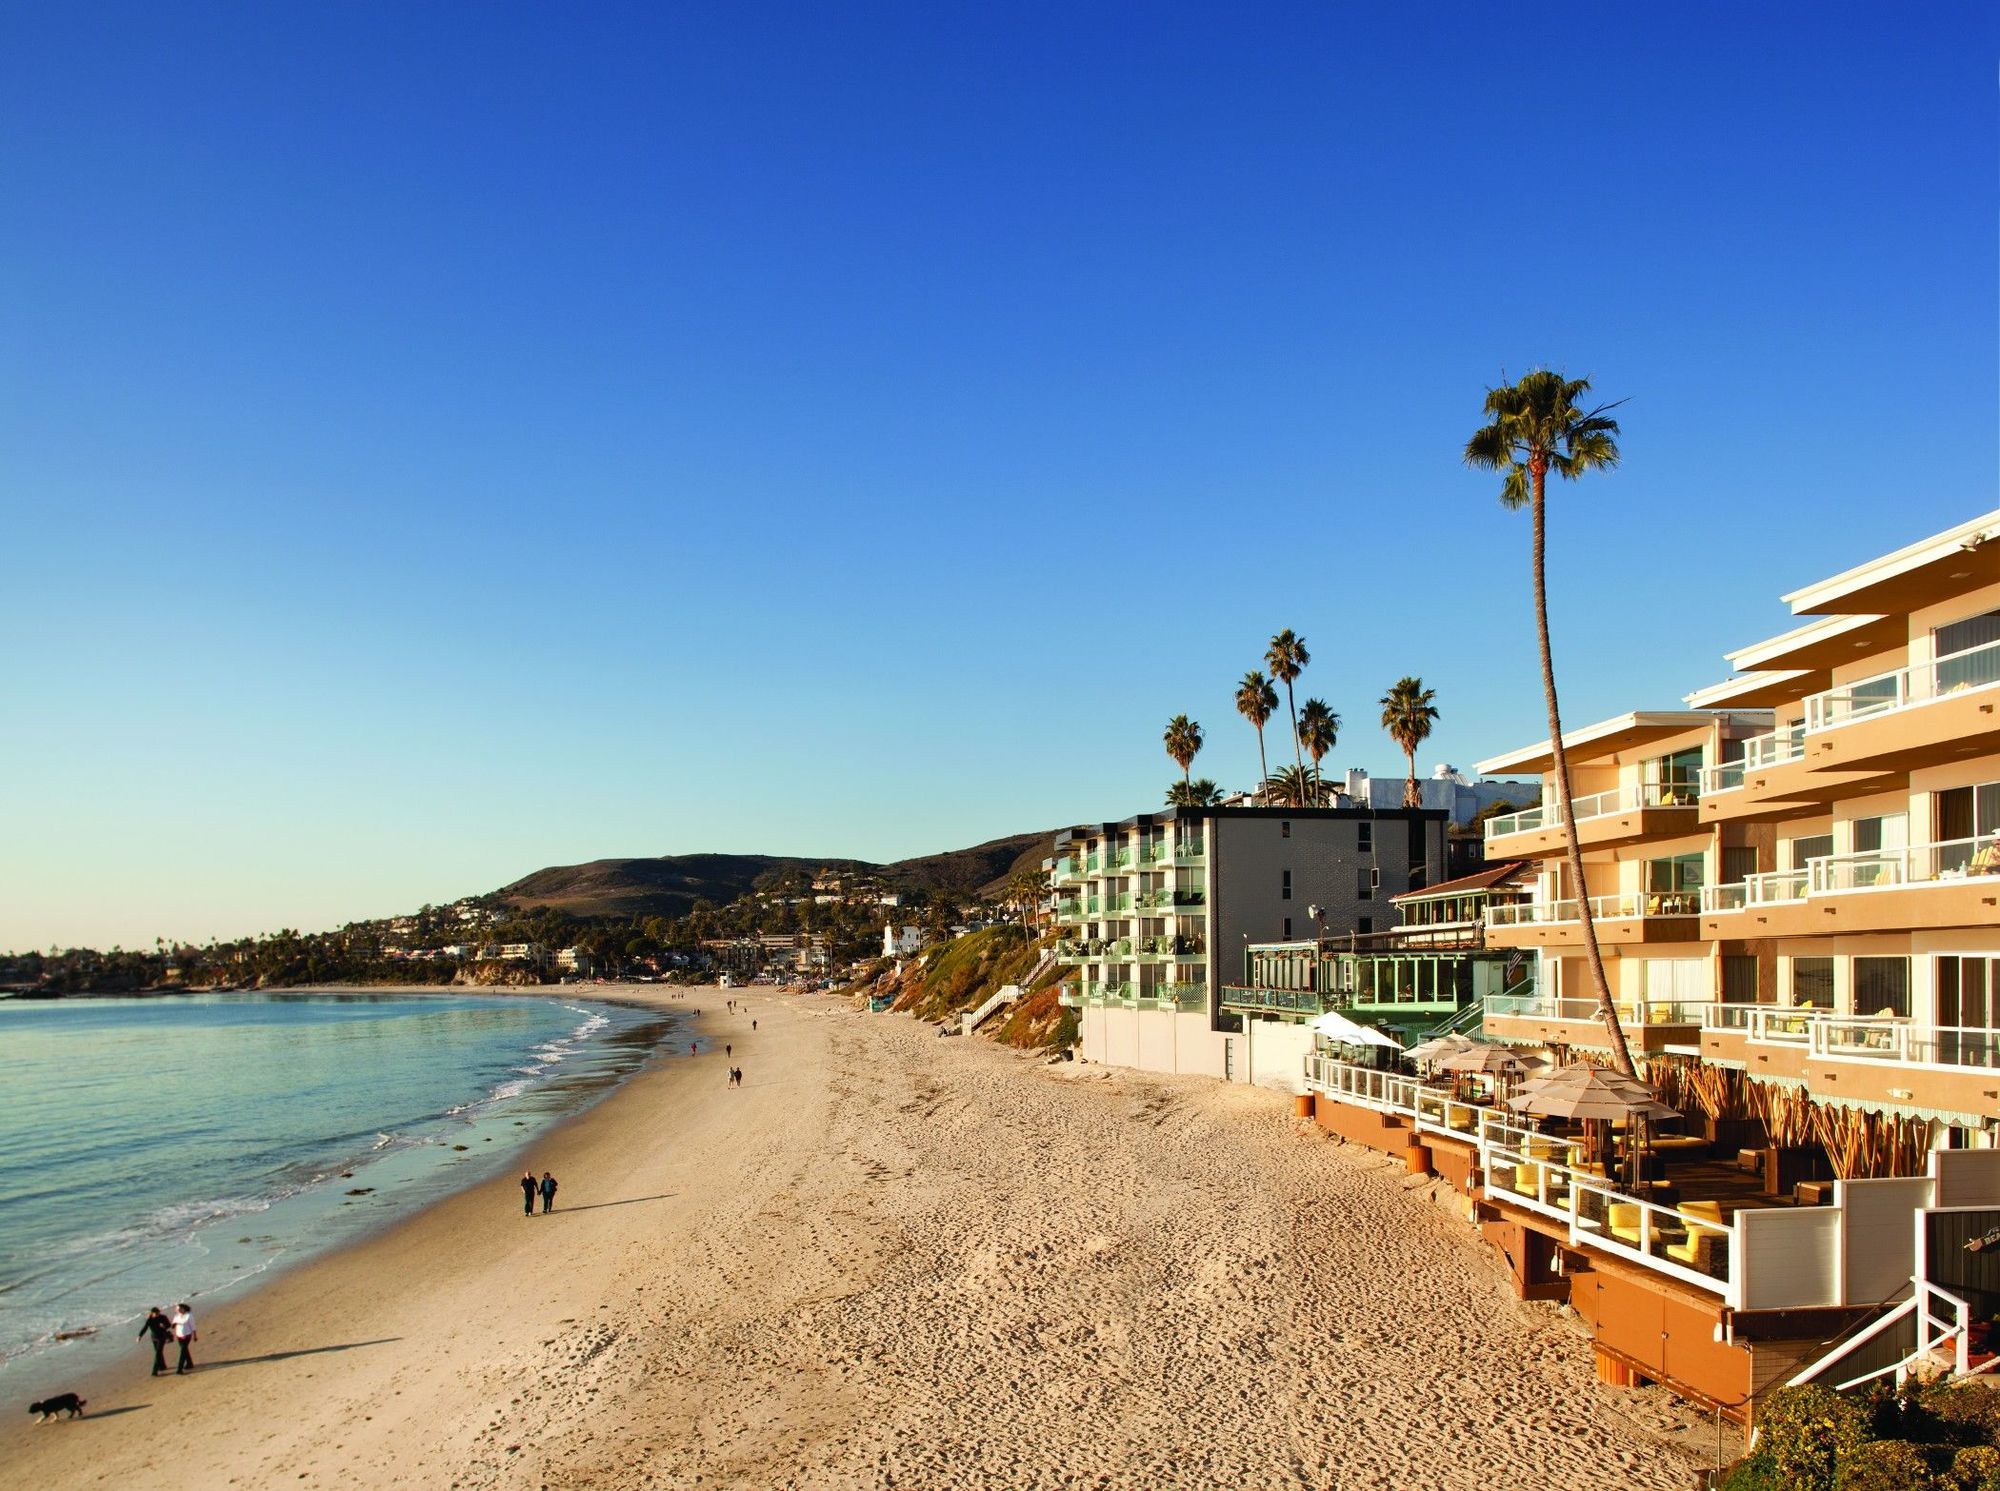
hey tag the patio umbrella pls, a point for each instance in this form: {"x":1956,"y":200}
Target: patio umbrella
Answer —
{"x":1337,"y":1028}
{"x":1483,"y":1061}
{"x":1442,"y":1045}
{"x":1591,"y":1094}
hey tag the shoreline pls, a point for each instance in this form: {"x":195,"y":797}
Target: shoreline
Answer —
{"x":890,"y":1260}
{"x":87,"y":1357}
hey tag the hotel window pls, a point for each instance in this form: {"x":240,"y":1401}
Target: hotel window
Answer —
{"x":1365,"y":925}
{"x":1739,"y":979}
{"x":1812,"y":982}
{"x":1738,"y":865}
{"x":1364,"y":885}
{"x":1678,"y":776}
{"x":1285,"y":893}
{"x":1965,"y":657}
{"x":1673,"y":885}
{"x":1288,"y":926}
{"x":1968,"y":1010}
{"x":1816,"y":846}
{"x":1882,"y":986}
{"x":1965,"y":815}
{"x":1285,"y":829}
{"x":1364,"y":836}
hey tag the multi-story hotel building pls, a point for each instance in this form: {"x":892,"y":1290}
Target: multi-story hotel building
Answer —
{"x":1157,"y":911}
{"x":1795,"y":884}
{"x":1800,"y":878}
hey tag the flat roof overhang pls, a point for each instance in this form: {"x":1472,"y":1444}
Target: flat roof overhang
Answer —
{"x":1765,"y":690}
{"x":1947,"y":564}
{"x":1601,"y":739}
{"x":1825,"y":644}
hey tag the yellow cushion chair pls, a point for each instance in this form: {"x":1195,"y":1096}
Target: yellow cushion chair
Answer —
{"x":1621,"y":1220}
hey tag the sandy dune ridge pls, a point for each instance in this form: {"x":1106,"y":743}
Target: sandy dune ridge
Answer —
{"x":891,"y":1260}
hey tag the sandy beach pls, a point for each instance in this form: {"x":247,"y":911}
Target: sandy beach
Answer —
{"x":890,"y":1260}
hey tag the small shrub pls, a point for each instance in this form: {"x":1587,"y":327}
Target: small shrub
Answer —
{"x":1885,"y":1465}
{"x":1751,"y":1474}
{"x":1974,"y":1468}
{"x":1966,"y":1415}
{"x":1807,"y":1433}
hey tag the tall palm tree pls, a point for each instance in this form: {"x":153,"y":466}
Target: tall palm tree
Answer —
{"x":1287,"y":659}
{"x":1257,"y":701}
{"x":1200,"y":793}
{"x":1319,"y":731}
{"x":1183,"y":740}
{"x":1407,"y":713}
{"x":1537,"y":427}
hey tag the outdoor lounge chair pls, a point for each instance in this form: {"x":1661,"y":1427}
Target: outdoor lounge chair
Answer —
{"x":1621,"y":1220}
{"x":1698,"y":1249}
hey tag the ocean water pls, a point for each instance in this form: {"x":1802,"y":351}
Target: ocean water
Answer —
{"x":163,"y":1149}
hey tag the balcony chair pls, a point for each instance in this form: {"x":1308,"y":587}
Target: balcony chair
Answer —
{"x":1621,"y":1220}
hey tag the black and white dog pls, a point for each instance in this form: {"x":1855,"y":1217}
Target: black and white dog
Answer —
{"x":48,"y":1408}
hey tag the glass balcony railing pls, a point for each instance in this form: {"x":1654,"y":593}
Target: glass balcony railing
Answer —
{"x":1156,"y":853}
{"x":1633,"y":1012}
{"x":1903,"y":688}
{"x":1727,"y":777}
{"x":1121,"y":860}
{"x":1773,"y":888}
{"x":1947,"y":863}
{"x":1602,"y":908}
{"x":1189,"y":851}
{"x":1597,"y":805}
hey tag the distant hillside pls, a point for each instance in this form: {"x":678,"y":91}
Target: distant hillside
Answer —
{"x":671,"y":884}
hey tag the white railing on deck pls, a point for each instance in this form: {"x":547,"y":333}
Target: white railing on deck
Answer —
{"x":1950,"y":862}
{"x":1630,"y":1011}
{"x":1771,"y":888}
{"x":1890,"y":1038}
{"x":1903,"y":688}
{"x":1596,"y":805}
{"x":1602,"y":908}
{"x":1532,"y":1170}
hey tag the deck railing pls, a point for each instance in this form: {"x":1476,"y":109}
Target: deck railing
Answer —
{"x":1284,"y":1001}
{"x":1904,"y":688}
{"x":1531,"y":1170}
{"x":1949,"y":862}
{"x":1630,"y":1011}
{"x":1596,"y":805}
{"x":1888,"y":1038}
{"x":1602,"y":908}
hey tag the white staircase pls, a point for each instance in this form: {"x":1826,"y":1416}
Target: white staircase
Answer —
{"x":973,"y":1021}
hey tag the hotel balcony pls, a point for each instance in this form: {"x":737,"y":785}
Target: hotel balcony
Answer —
{"x":1923,"y":715}
{"x":1860,"y":1058}
{"x":1624,"y":815}
{"x":1650,"y":916}
{"x":1919,"y":888}
{"x":1650,"y":1025}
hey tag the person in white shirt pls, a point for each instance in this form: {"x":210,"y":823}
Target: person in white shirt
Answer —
{"x":184,"y":1336}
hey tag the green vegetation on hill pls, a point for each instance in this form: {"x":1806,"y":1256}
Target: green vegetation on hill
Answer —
{"x":967,"y":971}
{"x":672,"y":885}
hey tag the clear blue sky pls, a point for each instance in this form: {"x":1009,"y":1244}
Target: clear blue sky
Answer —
{"x":443,"y":441}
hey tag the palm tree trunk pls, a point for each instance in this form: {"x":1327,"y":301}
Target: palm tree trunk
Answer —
{"x":1412,"y":798}
{"x":1621,"y":1055}
{"x":1298,"y":750}
{"x":1263,"y":766}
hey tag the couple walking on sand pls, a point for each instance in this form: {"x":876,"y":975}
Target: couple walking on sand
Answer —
{"x":530,"y":1186}
{"x":177,"y":1327}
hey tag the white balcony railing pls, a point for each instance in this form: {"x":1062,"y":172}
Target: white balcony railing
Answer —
{"x":1772,"y":888}
{"x":1945,"y":863}
{"x":1904,"y":688}
{"x":1657,"y":903}
{"x":1887,"y":1038}
{"x":1596,"y":805}
{"x":1633,"y":1012}
{"x":1787,"y":743}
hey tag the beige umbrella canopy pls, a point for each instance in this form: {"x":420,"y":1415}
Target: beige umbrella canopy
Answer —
{"x":1442,"y":1045}
{"x":1483,"y":1060}
{"x":1593,"y":1094}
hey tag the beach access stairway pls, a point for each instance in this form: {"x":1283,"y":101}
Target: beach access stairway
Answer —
{"x":972,"y":1021}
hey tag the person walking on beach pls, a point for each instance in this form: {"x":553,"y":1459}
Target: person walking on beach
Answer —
{"x":528,"y":1193}
{"x":727,"y":1049}
{"x":184,"y":1337}
{"x":548,"y":1193}
{"x":161,"y":1330}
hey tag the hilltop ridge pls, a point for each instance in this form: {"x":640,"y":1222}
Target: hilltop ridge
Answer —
{"x":670,"y":884}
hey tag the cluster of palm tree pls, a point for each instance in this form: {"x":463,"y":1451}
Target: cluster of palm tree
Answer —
{"x":1536,"y":426}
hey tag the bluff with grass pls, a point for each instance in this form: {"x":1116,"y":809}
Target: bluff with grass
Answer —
{"x":967,"y":971}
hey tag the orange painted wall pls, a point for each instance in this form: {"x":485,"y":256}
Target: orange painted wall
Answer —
{"x":1670,"y":1339}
